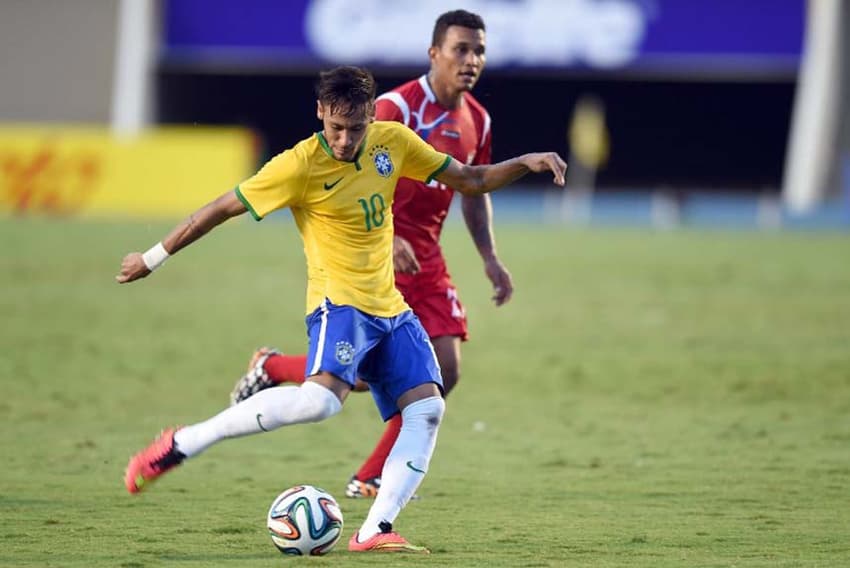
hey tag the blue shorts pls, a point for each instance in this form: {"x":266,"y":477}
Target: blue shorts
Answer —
{"x":393,"y":354}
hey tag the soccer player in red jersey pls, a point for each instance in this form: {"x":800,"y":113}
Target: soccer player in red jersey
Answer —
{"x":440,"y":108}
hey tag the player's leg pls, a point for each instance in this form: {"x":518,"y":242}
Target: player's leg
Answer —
{"x":269,"y":367}
{"x":268,"y":410}
{"x":403,"y":472}
{"x":285,"y":368}
{"x":444,"y":319}
{"x":410,"y":383}
{"x":367,"y":481}
{"x":334,"y":355}
{"x":447,"y":349}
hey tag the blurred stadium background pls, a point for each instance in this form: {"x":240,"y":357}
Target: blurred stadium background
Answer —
{"x":671,"y":112}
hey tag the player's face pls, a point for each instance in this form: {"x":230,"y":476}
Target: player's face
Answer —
{"x":458,"y":62}
{"x":344,"y":134}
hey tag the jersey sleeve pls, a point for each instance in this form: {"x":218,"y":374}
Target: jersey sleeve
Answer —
{"x":386,"y":109}
{"x":279,"y":183}
{"x":422,"y":162}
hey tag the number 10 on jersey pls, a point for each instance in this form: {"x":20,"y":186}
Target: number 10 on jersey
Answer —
{"x":373,"y":210}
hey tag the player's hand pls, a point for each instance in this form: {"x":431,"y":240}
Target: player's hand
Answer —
{"x":404,"y":259}
{"x":132,"y":268}
{"x":503,"y":285}
{"x":547,"y":161}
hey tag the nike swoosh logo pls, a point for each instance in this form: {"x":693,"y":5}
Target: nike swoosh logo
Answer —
{"x":260,"y":424}
{"x":414,"y":468}
{"x":329,"y":186}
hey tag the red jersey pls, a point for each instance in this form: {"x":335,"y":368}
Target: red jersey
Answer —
{"x":420,"y":209}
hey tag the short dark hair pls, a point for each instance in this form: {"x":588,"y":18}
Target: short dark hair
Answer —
{"x":346,"y":89}
{"x":460,"y":18}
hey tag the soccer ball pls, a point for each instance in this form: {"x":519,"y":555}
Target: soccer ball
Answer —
{"x":305,"y":520}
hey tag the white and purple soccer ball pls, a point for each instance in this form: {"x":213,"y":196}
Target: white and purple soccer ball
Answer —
{"x":305,"y":520}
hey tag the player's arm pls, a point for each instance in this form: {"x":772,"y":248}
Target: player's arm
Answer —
{"x":477,"y":180}
{"x":137,"y":265}
{"x":478,"y":215}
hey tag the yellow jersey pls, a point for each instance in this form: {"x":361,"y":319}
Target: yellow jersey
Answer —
{"x":343,"y":211}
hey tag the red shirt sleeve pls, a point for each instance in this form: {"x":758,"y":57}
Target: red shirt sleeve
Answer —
{"x":385,"y":109}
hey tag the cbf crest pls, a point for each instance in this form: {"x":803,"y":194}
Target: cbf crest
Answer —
{"x":380,"y":155}
{"x":344,"y":352}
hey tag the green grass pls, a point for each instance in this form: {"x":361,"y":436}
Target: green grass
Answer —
{"x":676,"y":399}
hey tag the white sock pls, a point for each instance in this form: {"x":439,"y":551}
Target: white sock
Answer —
{"x":407,"y":463}
{"x":263,"y":412}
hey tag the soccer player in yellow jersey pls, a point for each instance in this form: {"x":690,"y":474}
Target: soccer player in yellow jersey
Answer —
{"x":339,"y":184}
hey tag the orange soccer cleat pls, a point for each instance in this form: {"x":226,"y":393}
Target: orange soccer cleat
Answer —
{"x":147,"y":465}
{"x":385,"y":541}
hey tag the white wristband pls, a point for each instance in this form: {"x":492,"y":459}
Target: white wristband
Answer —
{"x":155,"y":256}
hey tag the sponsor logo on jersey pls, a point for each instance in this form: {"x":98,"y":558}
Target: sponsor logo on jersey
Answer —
{"x":329,"y":186}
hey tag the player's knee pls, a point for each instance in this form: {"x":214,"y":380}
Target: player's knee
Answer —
{"x":316,"y":403}
{"x":439,"y":410}
{"x":427,"y":412}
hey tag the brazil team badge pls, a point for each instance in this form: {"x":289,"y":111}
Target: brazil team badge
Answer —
{"x":344,"y":352}
{"x":381,"y":158}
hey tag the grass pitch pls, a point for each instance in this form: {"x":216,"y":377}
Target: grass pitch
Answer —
{"x":677,"y":399}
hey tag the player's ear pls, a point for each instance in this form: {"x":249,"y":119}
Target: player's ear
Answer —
{"x":320,"y":110}
{"x":432,"y":52}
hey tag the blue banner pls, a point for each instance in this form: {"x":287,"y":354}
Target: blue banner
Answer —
{"x":680,"y":36}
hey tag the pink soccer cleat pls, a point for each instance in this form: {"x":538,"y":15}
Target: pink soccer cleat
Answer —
{"x":147,"y":465}
{"x":385,"y":541}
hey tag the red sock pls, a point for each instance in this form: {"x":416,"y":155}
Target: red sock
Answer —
{"x":286,"y":368}
{"x":374,"y":464}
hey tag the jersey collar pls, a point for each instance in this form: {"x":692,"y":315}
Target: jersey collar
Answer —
{"x":426,"y":88}
{"x":431,"y":96}
{"x":324,"y":144}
